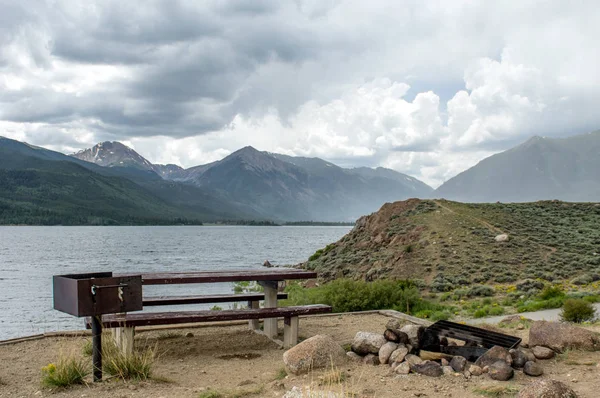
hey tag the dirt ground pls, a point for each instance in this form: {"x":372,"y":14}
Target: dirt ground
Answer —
{"x":234,"y":360}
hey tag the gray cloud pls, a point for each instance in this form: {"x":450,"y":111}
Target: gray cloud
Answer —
{"x":500,"y":72}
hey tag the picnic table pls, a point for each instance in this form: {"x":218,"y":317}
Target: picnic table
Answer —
{"x":269,"y":279}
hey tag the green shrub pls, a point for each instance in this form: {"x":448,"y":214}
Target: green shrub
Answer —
{"x":481,"y":291}
{"x":347,"y":295}
{"x":582,"y":280}
{"x":321,"y":252}
{"x":551,"y":292}
{"x":577,"y":310}
{"x":66,"y":372}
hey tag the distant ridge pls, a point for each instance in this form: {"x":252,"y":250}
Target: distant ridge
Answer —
{"x":538,"y":169}
{"x":275,"y":186}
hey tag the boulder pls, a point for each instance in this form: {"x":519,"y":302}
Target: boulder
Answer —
{"x":393,"y":324}
{"x":399,"y":354}
{"x":447,"y":370}
{"x":501,"y":238}
{"x":371,"y":359}
{"x":413,"y":359}
{"x":528,"y":352}
{"x":403,"y":368}
{"x":501,"y":371}
{"x":445,"y":362}
{"x":545,"y":388}
{"x":386,"y":351}
{"x":475,"y":370}
{"x":560,"y":336}
{"x":494,"y":354}
{"x":533,"y":369}
{"x":542,"y":352}
{"x":319,"y":351}
{"x":414,"y":333}
{"x":428,"y":368}
{"x":458,"y":363}
{"x":368,"y":343}
{"x":267,"y":264}
{"x":519,"y":358}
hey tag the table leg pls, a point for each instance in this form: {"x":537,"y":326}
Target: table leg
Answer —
{"x":253,"y":323}
{"x":270,"y":325}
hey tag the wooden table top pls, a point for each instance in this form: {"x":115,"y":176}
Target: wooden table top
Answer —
{"x":231,"y":275}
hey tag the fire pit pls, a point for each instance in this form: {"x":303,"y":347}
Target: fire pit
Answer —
{"x":476,"y":340}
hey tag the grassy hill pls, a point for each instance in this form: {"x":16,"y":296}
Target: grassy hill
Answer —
{"x":451,"y":245}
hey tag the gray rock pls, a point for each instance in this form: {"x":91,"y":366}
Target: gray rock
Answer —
{"x":447,"y":370}
{"x":475,"y":370}
{"x":501,"y":238}
{"x":427,"y":368}
{"x":414,"y":333}
{"x":399,"y":354}
{"x":368,"y":343}
{"x":413,"y":359}
{"x":560,"y":336}
{"x":501,"y":371}
{"x":393,"y":324}
{"x":371,"y":359}
{"x":386,"y":351}
{"x":545,"y":388}
{"x":458,"y":363}
{"x":533,"y":369}
{"x":444,"y":362}
{"x":528,"y":352}
{"x":354,"y":356}
{"x":542,"y":352}
{"x":518,"y":358}
{"x":403,"y":368}
{"x":319,"y":351}
{"x":494,"y":354}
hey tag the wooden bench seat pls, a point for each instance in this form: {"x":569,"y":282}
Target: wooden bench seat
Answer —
{"x":127,"y":322}
{"x":207,"y":299}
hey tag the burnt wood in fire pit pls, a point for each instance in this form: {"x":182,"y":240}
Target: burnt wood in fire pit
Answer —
{"x":476,"y":340}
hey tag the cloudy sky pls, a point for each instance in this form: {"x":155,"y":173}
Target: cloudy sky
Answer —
{"x":428,"y":88}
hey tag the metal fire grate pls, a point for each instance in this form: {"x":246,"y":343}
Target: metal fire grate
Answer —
{"x":477,"y":340}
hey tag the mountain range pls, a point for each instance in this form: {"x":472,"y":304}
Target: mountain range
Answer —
{"x":112,"y":184}
{"x":274,"y":186}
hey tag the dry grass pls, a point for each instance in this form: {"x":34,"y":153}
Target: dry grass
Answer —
{"x":497,"y":391}
{"x":135,"y":366}
{"x":237,"y":393}
{"x":68,"y":370}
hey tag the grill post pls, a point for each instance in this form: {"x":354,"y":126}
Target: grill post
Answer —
{"x":97,"y":347}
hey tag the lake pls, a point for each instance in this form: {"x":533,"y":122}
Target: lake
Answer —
{"x":29,"y":256}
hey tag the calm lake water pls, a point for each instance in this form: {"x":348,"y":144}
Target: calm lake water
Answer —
{"x":29,"y":256}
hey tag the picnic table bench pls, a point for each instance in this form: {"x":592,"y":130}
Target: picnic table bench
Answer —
{"x":124,"y":324}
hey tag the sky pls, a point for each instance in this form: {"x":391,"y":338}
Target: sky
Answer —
{"x":424,"y":87}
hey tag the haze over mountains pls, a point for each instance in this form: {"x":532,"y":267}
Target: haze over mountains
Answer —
{"x":540,"y":168}
{"x":277,"y":186}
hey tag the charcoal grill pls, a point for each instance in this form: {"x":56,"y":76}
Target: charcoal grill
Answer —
{"x":93,"y":295}
{"x":476,"y":340}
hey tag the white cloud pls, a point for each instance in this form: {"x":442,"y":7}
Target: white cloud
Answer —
{"x":425,"y":87}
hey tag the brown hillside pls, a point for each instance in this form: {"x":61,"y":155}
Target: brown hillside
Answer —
{"x":450,"y":244}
